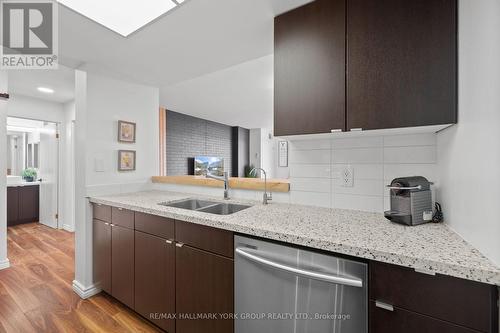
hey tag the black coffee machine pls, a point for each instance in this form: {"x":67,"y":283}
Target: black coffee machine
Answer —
{"x":411,"y":201}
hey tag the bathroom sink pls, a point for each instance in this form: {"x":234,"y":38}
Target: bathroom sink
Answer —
{"x":206,"y":206}
{"x":223,"y":209}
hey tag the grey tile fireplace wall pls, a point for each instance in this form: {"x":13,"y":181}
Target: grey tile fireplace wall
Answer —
{"x":190,"y":136}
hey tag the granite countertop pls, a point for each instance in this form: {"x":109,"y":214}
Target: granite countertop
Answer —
{"x":428,"y":247}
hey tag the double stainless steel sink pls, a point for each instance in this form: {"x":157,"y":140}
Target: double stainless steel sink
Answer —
{"x":212,"y":207}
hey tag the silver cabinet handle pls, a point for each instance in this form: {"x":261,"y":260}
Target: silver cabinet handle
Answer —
{"x":356,"y":129}
{"x":348,"y":281}
{"x":106,"y":223}
{"x":112,"y":225}
{"x":418,"y":187}
{"x":384,"y":306}
{"x":120,"y":208}
{"x":179,"y":244}
{"x":168,"y":241}
{"x":336,"y":130}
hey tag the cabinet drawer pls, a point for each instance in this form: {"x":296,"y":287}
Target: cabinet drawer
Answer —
{"x":459,"y":301}
{"x":122,"y":217}
{"x":102,"y":212}
{"x":399,"y":320}
{"x":206,"y":238}
{"x":155,"y":225}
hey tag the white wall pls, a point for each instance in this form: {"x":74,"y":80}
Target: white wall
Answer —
{"x":4,"y":262}
{"x":100,"y":102}
{"x":33,"y":108}
{"x":469,"y":153}
{"x":68,"y":168}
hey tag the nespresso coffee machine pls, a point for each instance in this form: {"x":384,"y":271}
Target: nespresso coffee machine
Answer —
{"x":411,"y":201}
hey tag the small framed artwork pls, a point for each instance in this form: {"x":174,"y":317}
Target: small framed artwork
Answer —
{"x":126,"y":160}
{"x":126,"y":131}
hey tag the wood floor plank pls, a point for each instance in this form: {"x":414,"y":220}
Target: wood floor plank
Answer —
{"x":36,"y":292}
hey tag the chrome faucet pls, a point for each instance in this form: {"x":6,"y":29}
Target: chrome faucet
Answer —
{"x":224,"y":179}
{"x":266,"y":197}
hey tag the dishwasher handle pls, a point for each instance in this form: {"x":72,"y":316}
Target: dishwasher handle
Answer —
{"x":348,"y":281}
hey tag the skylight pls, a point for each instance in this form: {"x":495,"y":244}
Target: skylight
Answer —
{"x":121,"y":16}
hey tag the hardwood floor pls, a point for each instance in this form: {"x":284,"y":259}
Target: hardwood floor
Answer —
{"x":36,"y":291}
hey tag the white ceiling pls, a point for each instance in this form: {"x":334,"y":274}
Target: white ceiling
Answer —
{"x":241,"y":95}
{"x":208,"y":57}
{"x":196,"y":38}
{"x":26,"y":82}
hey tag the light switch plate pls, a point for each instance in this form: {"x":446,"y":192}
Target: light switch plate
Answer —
{"x":347,"y":176}
{"x":99,"y":165}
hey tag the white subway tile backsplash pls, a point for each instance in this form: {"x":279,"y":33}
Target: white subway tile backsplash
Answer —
{"x":360,"y":171}
{"x":360,"y":142}
{"x":310,"y":144}
{"x":311,"y":198}
{"x":358,"y":202}
{"x":415,"y":154}
{"x":426,"y":139}
{"x":370,"y":187}
{"x":310,"y":185}
{"x":316,"y":168}
{"x":310,"y":156}
{"x":358,"y":155}
{"x":310,"y":171}
{"x":392,"y":171}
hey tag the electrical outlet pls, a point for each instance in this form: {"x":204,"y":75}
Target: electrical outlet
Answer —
{"x":347,"y":177}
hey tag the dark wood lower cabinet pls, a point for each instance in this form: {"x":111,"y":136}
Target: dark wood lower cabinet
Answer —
{"x":155,"y":280}
{"x":12,"y":205}
{"x":102,"y":255}
{"x":122,"y":265}
{"x":23,"y":204}
{"x":403,"y":321}
{"x":204,"y":287}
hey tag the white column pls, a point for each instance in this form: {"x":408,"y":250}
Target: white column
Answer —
{"x":83,"y":283}
{"x":4,"y":261}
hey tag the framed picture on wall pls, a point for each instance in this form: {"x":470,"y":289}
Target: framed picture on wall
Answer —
{"x":126,"y":131}
{"x":126,"y":160}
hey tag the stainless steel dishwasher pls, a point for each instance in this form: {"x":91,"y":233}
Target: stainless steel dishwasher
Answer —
{"x":284,"y":289}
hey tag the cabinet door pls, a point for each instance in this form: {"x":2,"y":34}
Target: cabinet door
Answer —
{"x":155,"y":280}
{"x":309,"y":69}
{"x":399,"y":320}
{"x":122,"y":265}
{"x":401,"y":63}
{"x":102,"y":254}
{"x":204,"y":286}
{"x":29,"y":204}
{"x":12,"y":205}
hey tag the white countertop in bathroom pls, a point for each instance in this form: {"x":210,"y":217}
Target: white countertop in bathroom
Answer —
{"x":430,"y":247}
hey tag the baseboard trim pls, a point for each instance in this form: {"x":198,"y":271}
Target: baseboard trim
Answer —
{"x":85,"y":292}
{"x":68,"y":227}
{"x":4,"y":264}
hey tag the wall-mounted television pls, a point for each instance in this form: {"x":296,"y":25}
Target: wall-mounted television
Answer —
{"x":210,"y":164}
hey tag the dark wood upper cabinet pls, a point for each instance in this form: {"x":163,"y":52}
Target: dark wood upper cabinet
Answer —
{"x":102,"y":254}
{"x":155,"y":279}
{"x":401,"y":63}
{"x":122,"y":265}
{"x":309,"y":69}
{"x":204,"y":285}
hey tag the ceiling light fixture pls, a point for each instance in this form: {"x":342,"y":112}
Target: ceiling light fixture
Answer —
{"x":121,"y":16}
{"x":45,"y":90}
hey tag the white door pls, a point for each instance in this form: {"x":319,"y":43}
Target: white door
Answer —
{"x":48,"y":174}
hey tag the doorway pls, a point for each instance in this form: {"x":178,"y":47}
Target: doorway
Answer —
{"x":32,"y":172}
